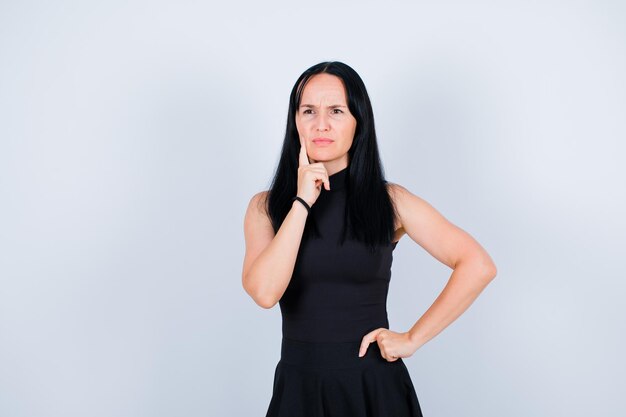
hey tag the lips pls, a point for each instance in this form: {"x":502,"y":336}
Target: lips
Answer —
{"x":322,"y":140}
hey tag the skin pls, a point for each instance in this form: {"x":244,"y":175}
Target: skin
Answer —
{"x":473,"y":268}
{"x":324,"y":112}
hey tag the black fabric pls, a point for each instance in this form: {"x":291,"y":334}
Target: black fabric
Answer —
{"x":330,"y":380}
{"x":336,"y":295}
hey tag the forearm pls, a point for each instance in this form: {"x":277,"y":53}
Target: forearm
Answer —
{"x":271,"y":272}
{"x":465,"y":284}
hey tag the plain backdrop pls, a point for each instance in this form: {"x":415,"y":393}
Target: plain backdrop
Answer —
{"x":133,"y":135}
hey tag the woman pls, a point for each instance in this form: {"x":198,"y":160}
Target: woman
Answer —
{"x":320,"y":243}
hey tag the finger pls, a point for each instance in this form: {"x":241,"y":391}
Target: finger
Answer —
{"x":363,"y":348}
{"x":367,"y":339}
{"x":321,"y":176}
{"x":303,"y":157}
{"x":325,"y":178}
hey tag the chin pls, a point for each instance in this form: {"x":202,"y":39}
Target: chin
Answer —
{"x":324,"y":157}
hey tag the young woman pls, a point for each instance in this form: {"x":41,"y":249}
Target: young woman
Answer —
{"x":320,"y":244}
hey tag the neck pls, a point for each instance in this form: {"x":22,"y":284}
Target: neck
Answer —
{"x":333,"y":167}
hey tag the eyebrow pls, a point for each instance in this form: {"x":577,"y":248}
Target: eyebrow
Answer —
{"x":313,"y":106}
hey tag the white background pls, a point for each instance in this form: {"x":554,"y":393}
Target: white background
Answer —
{"x":132,"y":136}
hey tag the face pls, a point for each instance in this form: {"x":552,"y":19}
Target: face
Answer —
{"x":324,"y":114}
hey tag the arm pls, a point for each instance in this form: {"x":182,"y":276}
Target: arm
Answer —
{"x":270,"y":259}
{"x":472,"y":266}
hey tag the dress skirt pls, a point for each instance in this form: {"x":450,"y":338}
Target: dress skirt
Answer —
{"x":331,"y":380}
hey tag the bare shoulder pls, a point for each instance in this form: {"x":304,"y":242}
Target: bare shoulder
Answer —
{"x":396,"y":193}
{"x":257,"y":207}
{"x":395,"y":190}
{"x":405,"y":201}
{"x":259,"y":200}
{"x":257,"y":226}
{"x":401,"y":194}
{"x":411,"y":210}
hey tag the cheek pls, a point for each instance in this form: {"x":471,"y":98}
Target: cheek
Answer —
{"x":349,"y":131}
{"x":347,"y":139}
{"x":299,"y":126}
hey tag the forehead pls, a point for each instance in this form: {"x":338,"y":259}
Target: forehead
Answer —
{"x":324,"y":87}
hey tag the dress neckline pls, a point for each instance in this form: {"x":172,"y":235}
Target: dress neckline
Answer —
{"x":338,"y":179}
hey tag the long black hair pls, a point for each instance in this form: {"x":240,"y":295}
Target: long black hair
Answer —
{"x":369,"y":209}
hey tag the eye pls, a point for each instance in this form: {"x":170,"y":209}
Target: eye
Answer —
{"x":305,"y":111}
{"x":340,"y":111}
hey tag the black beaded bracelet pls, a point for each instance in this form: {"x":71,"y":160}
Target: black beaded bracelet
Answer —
{"x":308,"y":209}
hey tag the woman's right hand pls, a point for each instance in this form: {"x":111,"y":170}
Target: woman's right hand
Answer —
{"x":310,"y":177}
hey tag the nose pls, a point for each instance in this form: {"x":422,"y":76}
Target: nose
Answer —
{"x":322,"y":122}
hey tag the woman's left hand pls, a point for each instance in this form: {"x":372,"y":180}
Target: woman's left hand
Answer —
{"x":392,"y":345}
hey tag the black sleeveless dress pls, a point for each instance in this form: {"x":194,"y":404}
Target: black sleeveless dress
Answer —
{"x":336,"y":295}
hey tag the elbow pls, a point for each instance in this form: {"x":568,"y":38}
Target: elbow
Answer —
{"x":261,"y":300}
{"x":486,"y":267}
{"x":264,"y":302}
{"x":482,"y":266}
{"x":490,"y":270}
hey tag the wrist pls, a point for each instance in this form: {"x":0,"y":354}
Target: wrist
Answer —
{"x":300,"y":201}
{"x":415,"y":339}
{"x":298,"y":206}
